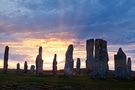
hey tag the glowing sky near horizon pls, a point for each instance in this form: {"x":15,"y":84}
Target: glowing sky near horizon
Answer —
{"x":54,"y":24}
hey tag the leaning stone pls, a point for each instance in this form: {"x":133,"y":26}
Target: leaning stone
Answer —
{"x":78,"y":64}
{"x":68,"y":69}
{"x":6,"y":54}
{"x":18,"y":68}
{"x":129,"y":70}
{"x":39,"y":62}
{"x":32,"y":69}
{"x":25,"y":67}
{"x":55,"y":64}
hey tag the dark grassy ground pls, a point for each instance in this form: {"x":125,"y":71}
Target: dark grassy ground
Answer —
{"x":12,"y":81}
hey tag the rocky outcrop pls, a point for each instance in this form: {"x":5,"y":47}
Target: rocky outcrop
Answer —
{"x":69,"y":63}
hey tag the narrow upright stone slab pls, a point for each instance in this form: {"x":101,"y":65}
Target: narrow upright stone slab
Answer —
{"x":129,"y":69}
{"x":101,"y":58}
{"x":39,"y":62}
{"x":18,"y":68}
{"x":69,"y":63}
{"x":25,"y":67}
{"x":55,"y":64}
{"x":5,"y":66}
{"x":32,"y":69}
{"x":78,"y":64}
{"x":120,"y":64}
{"x":90,"y":56}
{"x":101,"y":53}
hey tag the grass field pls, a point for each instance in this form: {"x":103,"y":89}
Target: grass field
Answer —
{"x":49,"y":82}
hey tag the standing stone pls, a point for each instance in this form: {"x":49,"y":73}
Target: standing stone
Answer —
{"x":90,"y":57}
{"x":101,"y":58}
{"x":68,"y":69}
{"x":120,"y":64}
{"x":6,"y":59}
{"x":78,"y":64}
{"x":55,"y":64}
{"x":25,"y":67}
{"x":129,"y":70}
{"x":39,"y":62}
{"x":18,"y":67}
{"x":32,"y":69}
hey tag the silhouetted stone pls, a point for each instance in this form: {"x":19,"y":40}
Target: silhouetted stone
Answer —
{"x":32,"y":69}
{"x":90,"y":57}
{"x":129,"y":70}
{"x":39,"y":62}
{"x":101,"y":59}
{"x":68,"y":69}
{"x":18,"y":67}
{"x":120,"y":64}
{"x":6,"y":59}
{"x":25,"y":67}
{"x":55,"y":64}
{"x":78,"y":64}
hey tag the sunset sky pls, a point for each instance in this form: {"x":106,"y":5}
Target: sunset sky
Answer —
{"x":54,"y":24}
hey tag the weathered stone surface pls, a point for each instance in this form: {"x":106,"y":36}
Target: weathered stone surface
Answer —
{"x":25,"y":67}
{"x":32,"y":69}
{"x":18,"y":67}
{"x":120,"y":64}
{"x":55,"y":64}
{"x":78,"y":64}
{"x":6,"y":59}
{"x":69,"y":63}
{"x":39,"y":62}
{"x":129,"y":70}
{"x":101,"y":59}
{"x":90,"y":57}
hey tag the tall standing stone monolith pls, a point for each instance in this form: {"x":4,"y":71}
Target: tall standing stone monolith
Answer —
{"x":90,"y":56}
{"x":120,"y":64}
{"x":129,"y":70}
{"x":78,"y":64}
{"x":32,"y":69}
{"x":55,"y":64}
{"x":69,"y":63}
{"x":18,"y":67}
{"x":25,"y":67}
{"x":5,"y":66}
{"x":101,"y":58}
{"x":39,"y":62}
